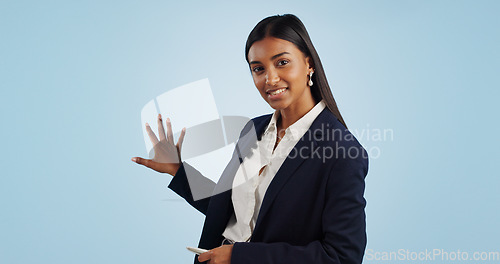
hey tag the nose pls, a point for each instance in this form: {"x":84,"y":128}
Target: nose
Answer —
{"x":272,"y":78}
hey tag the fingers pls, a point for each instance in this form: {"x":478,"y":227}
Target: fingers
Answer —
{"x":170,"y":136}
{"x":220,"y":254}
{"x":161,"y":130}
{"x":205,"y":256}
{"x":181,"y":139}
{"x":151,"y":135}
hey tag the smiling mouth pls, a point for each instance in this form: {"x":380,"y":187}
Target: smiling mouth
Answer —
{"x":275,"y":92}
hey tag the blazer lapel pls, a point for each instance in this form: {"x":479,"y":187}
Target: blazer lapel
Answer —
{"x":217,"y":218}
{"x":300,"y":152}
{"x":248,"y":139}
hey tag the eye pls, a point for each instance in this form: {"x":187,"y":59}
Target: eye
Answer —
{"x":257,"y":69}
{"x":282,"y":62}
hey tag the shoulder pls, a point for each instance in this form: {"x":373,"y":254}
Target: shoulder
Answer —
{"x":336,"y":142}
{"x":327,"y":129}
{"x":256,"y":125}
{"x":263,"y":119}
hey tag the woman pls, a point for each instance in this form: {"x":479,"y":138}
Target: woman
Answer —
{"x":293,"y":192}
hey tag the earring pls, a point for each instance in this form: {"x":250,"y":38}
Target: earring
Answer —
{"x":310,"y":79}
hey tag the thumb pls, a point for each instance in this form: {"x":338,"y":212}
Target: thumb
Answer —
{"x":148,"y":163}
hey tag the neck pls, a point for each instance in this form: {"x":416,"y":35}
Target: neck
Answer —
{"x":291,"y":114}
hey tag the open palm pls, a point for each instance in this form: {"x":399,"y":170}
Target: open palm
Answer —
{"x":167,"y":156}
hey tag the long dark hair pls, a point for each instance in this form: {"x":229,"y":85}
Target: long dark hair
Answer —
{"x":289,"y":27}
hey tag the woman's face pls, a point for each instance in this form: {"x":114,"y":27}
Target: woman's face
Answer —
{"x":280,"y":72}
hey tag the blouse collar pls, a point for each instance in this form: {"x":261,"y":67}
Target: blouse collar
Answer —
{"x":297,"y":129}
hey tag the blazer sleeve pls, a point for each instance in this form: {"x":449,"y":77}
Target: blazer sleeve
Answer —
{"x":197,"y":184}
{"x":343,"y":222}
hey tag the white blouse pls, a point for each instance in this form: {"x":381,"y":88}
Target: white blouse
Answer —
{"x":249,"y":187}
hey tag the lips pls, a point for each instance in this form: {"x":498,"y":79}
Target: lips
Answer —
{"x":276,"y":94}
{"x":276,"y":91}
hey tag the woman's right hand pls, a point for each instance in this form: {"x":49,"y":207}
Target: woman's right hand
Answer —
{"x":167,"y":157}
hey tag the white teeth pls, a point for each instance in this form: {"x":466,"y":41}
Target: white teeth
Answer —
{"x":277,"y":91}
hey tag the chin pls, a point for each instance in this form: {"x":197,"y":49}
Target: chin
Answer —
{"x":278,"y":105}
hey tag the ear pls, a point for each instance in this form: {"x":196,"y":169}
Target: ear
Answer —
{"x":310,"y":64}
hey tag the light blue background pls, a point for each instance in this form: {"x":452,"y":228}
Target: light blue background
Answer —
{"x":75,"y":75}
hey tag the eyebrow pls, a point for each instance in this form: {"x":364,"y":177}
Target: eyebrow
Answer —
{"x":272,"y":58}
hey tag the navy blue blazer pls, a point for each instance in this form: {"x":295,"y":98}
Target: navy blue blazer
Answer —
{"x":313,"y":209}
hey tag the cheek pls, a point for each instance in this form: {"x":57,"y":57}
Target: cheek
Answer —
{"x":303,"y":73}
{"x":294,"y":77}
{"x":258,"y":81}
